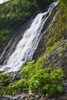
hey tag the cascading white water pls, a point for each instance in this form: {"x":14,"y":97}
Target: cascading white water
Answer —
{"x":27,"y":45}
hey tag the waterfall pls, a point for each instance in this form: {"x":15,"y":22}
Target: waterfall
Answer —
{"x":27,"y":45}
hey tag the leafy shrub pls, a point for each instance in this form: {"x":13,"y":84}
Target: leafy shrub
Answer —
{"x":64,"y":2}
{"x":27,"y":70}
{"x":13,"y":14}
{"x":13,"y":89}
{"x":44,"y":80}
{"x":4,"y":79}
{"x":47,"y":81}
{"x":4,"y":33}
{"x":35,"y":78}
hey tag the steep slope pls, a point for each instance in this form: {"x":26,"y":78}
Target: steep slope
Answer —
{"x":55,"y":35}
{"x":48,"y":68}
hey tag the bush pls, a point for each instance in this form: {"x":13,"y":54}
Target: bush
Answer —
{"x":35,"y":78}
{"x":4,"y":79}
{"x":44,"y":80}
{"x":64,"y":2}
{"x":13,"y":89}
{"x":13,"y":14}
{"x":27,"y":70}
{"x":47,"y":81}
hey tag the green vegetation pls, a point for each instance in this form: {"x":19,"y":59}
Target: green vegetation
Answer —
{"x":47,"y":81}
{"x":4,"y":79}
{"x":28,"y":71}
{"x":59,"y":28}
{"x":61,"y":51}
{"x":35,"y":78}
{"x":54,"y":39}
{"x":16,"y":87}
{"x":15,"y":12}
{"x":63,"y":2}
{"x":50,"y":48}
{"x":65,"y":45}
{"x":56,"y":33}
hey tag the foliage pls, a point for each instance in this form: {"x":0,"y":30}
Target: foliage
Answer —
{"x":36,"y":78}
{"x":61,"y":51}
{"x":30,"y":69}
{"x":13,"y":14}
{"x":13,"y":89}
{"x":54,"y":39}
{"x":65,"y":45}
{"x":44,"y":80}
{"x":64,"y":2}
{"x":16,"y":12}
{"x":47,"y":81}
{"x":50,"y":48}
{"x":4,"y":33}
{"x":27,"y":69}
{"x":4,"y":79}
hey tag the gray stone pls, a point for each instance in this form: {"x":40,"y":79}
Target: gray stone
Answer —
{"x":10,"y":97}
{"x":65,"y":84}
{"x":37,"y":97}
{"x":23,"y":96}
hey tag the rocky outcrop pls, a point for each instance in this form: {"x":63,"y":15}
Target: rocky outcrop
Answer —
{"x":57,"y":57}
